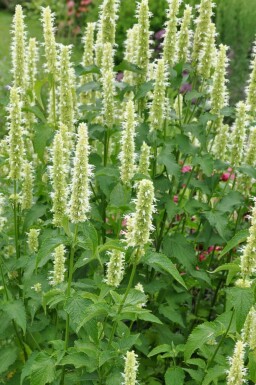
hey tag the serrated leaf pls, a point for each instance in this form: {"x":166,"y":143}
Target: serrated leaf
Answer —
{"x":213,"y":374}
{"x":8,"y":356}
{"x":16,"y":311}
{"x":199,"y":336}
{"x":193,"y":95}
{"x":167,"y":159}
{"x":38,"y":91}
{"x":37,"y":211}
{"x":242,"y":299}
{"x":37,"y":112}
{"x":42,"y":370}
{"x":77,"y":308}
{"x":231,"y":201}
{"x":93,"y":311}
{"x":178,"y":247}
{"x":238,"y":238}
{"x":145,"y":315}
{"x":218,"y":220}
{"x":174,"y":376}
{"x":160,"y":349}
{"x":162,"y":262}
{"x":227,"y":266}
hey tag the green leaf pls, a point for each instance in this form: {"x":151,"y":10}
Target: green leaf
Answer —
{"x":42,"y":135}
{"x":227,"y":111}
{"x":120,"y":196}
{"x":178,"y":247}
{"x":85,"y":70}
{"x":53,"y":297}
{"x":127,"y":66}
{"x":36,"y":212}
{"x":218,"y":220}
{"x":238,"y":238}
{"x":42,"y":370}
{"x":37,"y":112}
{"x":193,"y":95}
{"x":77,"y":308}
{"x":8,"y":356}
{"x":38,"y":91}
{"x":214,"y":373}
{"x":162,"y":262}
{"x":16,"y":311}
{"x":242,"y":300}
{"x":93,"y":311}
{"x":167,"y":159}
{"x":231,"y":201}
{"x":145,"y":315}
{"x":90,"y":237}
{"x":174,"y":376}
{"x":199,"y":336}
{"x":160,"y":349}
{"x":143,"y":89}
{"x":91,"y":86}
{"x":247,"y":170}
{"x":47,"y":247}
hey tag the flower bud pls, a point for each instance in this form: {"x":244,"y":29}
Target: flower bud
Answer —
{"x":238,"y":134}
{"x":184,"y":37}
{"x":207,"y":56}
{"x":49,"y":41}
{"x":33,"y":240}
{"x":88,"y":60}
{"x":143,"y":52}
{"x":219,"y":96}
{"x":108,"y":19}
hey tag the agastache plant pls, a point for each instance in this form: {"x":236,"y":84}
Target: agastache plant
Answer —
{"x":170,"y":38}
{"x":184,"y":37}
{"x":18,"y":49}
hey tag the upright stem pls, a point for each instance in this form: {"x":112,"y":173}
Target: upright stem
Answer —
{"x":123,"y":302}
{"x":70,"y":276}
{"x":15,"y":212}
{"x":54,"y":102}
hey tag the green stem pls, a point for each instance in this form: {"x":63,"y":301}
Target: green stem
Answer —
{"x":70,"y":276}
{"x":221,"y":341}
{"x":15,"y":212}
{"x":54,"y":102}
{"x":123,"y":302}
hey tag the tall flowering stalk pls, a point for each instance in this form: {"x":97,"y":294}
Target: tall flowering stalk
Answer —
{"x":108,"y":19}
{"x":251,"y":88}
{"x":219,"y":95}
{"x":143,"y":52}
{"x":184,"y":37}
{"x":66,"y":100}
{"x":221,"y":140}
{"x":207,"y":56}
{"x":33,"y":240}
{"x":249,"y":329}
{"x":238,"y":134}
{"x":88,"y":59}
{"x":115,"y":268}
{"x":81,"y":175}
{"x":51,"y":59}
{"x":202,"y":24}
{"x":130,"y":369}
{"x":158,"y":106}
{"x":248,"y":257}
{"x":16,"y":144}
{"x":144,"y":162}
{"x":127,"y":154}
{"x":59,"y":184}
{"x":18,"y":49}
{"x":170,"y":39}
{"x":131,"y":52}
{"x":236,"y":373}
{"x":139,"y":224}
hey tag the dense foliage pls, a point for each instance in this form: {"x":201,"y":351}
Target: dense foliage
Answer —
{"x":126,"y":193}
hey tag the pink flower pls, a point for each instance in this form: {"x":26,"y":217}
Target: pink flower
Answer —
{"x":85,"y":2}
{"x":175,"y":198}
{"x":202,"y":257}
{"x":210,"y":249}
{"x":124,"y":222}
{"x":70,"y":4}
{"x":186,"y":169}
